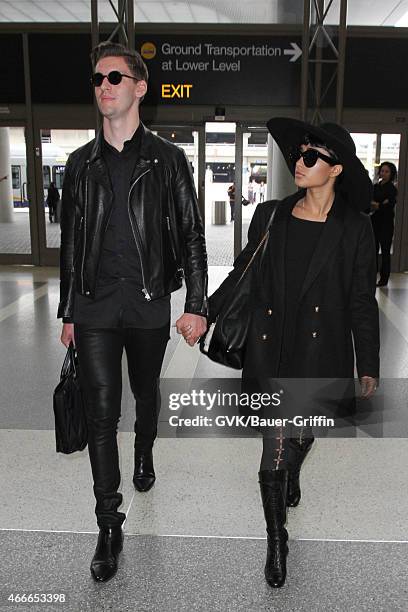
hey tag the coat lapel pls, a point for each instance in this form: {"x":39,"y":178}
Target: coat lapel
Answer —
{"x":277,"y":246}
{"x":97,"y":169}
{"x":147,"y":159}
{"x":328,"y":241}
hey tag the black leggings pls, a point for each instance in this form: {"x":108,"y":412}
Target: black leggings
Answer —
{"x":100,"y":363}
{"x":281,"y":446}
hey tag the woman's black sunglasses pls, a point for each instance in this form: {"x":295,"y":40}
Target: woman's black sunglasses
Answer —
{"x":310,"y":157}
{"x":114,"y":78}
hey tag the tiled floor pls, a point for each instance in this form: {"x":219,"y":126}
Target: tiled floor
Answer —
{"x":196,"y":540}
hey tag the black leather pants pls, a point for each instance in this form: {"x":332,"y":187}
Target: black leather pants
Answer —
{"x":279,"y":452}
{"x":100,"y":361}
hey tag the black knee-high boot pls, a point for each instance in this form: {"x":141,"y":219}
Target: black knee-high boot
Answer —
{"x":301,"y":449}
{"x":273,"y":484}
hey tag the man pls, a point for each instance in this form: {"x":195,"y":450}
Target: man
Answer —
{"x":130,"y":227}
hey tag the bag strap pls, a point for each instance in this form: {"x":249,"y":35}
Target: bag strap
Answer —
{"x":264,"y":243}
{"x":69,"y":364}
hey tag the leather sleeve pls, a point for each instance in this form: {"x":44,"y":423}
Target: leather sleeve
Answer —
{"x":255,"y":230}
{"x":192,"y":236}
{"x":67,"y":292}
{"x":364,"y":307}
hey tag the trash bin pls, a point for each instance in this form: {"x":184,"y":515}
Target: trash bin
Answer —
{"x":218,"y":213}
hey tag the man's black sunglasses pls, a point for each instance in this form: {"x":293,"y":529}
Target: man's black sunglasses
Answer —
{"x":310,"y":157}
{"x":114,"y":78}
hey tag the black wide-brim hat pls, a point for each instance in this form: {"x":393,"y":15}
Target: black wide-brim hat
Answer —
{"x":355,"y":184}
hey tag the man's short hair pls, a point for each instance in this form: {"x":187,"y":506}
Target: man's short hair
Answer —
{"x":132,"y":58}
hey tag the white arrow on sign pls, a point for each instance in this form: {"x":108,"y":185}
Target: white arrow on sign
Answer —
{"x":296,"y":52}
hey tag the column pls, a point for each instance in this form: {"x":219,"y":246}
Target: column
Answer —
{"x":6,"y":190}
{"x":280,"y":182}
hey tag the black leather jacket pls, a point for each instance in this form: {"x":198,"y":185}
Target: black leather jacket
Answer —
{"x":164,"y":217}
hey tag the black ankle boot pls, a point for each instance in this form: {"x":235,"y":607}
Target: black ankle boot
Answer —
{"x":294,"y":492}
{"x":104,"y":564}
{"x":144,"y":476}
{"x":273,"y":485}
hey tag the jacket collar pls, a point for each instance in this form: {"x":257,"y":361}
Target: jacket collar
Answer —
{"x":146,"y":147}
{"x":146,"y":159}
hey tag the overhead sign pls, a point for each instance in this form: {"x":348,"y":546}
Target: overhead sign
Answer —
{"x":222,"y":70}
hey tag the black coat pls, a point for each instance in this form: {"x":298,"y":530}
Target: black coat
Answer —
{"x":336,"y":305}
{"x":383,"y":218}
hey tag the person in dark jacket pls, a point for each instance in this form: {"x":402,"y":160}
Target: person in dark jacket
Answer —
{"x":383,"y":205}
{"x":130,"y":230}
{"x":313,"y":295}
{"x":53,"y":197}
{"x":231,"y":195}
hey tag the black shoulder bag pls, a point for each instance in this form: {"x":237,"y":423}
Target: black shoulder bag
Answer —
{"x":226,"y":340}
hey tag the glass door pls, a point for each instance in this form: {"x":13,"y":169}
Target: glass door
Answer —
{"x":56,"y":145}
{"x":220,"y":192}
{"x":254,"y":173}
{"x":15,"y":234}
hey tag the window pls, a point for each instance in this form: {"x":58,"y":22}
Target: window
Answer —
{"x":16,"y":176}
{"x":58,"y":176}
{"x":46,"y":176}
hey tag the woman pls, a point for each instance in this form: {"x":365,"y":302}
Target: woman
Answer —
{"x":313,"y":295}
{"x":383,"y":204}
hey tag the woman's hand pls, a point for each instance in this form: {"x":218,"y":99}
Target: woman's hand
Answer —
{"x":368,"y":386}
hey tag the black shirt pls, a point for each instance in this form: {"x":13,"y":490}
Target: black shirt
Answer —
{"x":302,"y":238}
{"x":119,"y":300}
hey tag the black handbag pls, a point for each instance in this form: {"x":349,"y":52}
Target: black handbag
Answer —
{"x":71,"y":431}
{"x":226,"y":340}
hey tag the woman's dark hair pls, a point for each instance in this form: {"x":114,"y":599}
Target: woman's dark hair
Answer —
{"x":393,"y":170}
{"x":132,"y":58}
{"x":311,"y":140}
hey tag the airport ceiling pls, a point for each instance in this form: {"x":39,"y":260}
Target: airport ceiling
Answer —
{"x":360,"y":12}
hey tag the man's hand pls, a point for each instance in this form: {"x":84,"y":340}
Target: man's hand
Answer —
{"x":192,"y":327}
{"x":67,"y":334}
{"x":368,"y":386}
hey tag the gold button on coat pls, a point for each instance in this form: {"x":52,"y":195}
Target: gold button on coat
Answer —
{"x":317,"y":308}
{"x":269,"y":311}
{"x":314,"y":334}
{"x":264,"y":336}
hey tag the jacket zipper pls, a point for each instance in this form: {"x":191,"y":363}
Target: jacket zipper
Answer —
{"x":84,"y":220}
{"x":171,"y":239}
{"x":144,"y":290}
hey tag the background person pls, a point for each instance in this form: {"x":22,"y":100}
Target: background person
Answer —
{"x":130,"y":224}
{"x":313,"y":296}
{"x":383,"y":205}
{"x":53,"y":198}
{"x":231,"y":196}
{"x":261,"y":192}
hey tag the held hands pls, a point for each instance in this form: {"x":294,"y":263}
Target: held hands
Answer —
{"x":191,"y":326}
{"x":368,"y":386}
{"x":67,"y":334}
